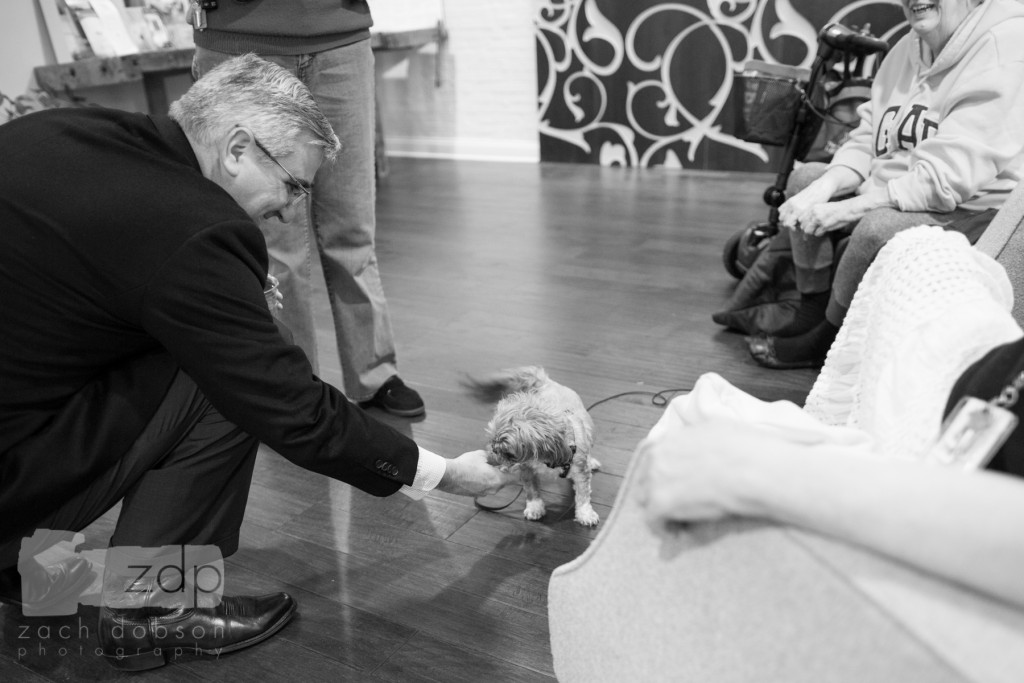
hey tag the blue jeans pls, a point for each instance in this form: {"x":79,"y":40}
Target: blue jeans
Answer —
{"x":340,"y":218}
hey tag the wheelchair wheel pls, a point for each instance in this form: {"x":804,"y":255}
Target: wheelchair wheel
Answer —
{"x":730,"y":255}
{"x":743,"y":248}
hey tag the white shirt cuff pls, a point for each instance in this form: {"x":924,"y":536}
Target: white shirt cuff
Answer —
{"x":429,"y":470}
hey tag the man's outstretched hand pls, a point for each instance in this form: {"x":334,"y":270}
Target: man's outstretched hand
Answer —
{"x":470,"y":475}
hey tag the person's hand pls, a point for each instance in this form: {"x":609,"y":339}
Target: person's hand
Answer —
{"x":824,"y":218}
{"x":471,"y":475}
{"x":812,"y":211}
{"x":275,"y":300}
{"x":796,"y":211}
{"x":839,"y":214}
{"x":831,"y":216}
{"x":693,"y":478}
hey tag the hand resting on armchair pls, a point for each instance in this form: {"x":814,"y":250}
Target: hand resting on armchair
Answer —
{"x":963,"y":526}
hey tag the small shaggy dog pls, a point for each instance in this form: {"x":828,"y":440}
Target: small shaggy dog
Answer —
{"x":540,"y":424}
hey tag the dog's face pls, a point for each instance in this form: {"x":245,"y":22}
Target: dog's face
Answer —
{"x":521,"y":433}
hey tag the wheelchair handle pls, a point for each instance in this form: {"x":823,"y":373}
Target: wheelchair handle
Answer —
{"x":839,"y":37}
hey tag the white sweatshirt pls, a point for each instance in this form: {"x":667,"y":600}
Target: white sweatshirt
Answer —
{"x":949,"y":133}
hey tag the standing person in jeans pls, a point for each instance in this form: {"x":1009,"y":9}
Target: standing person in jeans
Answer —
{"x":326,"y":44}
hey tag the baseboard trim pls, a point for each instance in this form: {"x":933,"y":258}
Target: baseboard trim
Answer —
{"x":470,"y":149}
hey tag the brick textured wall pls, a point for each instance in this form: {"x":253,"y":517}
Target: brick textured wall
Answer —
{"x":486,"y":103}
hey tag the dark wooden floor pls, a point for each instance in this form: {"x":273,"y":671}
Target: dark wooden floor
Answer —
{"x":607,"y":277}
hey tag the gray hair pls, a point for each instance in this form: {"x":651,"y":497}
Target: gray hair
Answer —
{"x":253,"y":92}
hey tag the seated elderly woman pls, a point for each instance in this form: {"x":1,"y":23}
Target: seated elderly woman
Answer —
{"x":939,"y":143}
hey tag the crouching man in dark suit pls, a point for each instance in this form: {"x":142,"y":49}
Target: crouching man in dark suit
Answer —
{"x":139,"y":360}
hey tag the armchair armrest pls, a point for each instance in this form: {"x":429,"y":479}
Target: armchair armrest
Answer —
{"x":1003,"y":240}
{"x":741,"y":600}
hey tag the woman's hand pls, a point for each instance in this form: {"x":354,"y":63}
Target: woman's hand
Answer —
{"x":796,"y":211}
{"x":823,"y":218}
{"x":812,"y":211}
{"x":831,"y":216}
{"x":693,"y":479}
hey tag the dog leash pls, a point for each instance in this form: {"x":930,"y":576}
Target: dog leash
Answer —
{"x":495,"y":508}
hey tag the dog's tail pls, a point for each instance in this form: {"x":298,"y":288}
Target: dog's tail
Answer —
{"x":492,"y":387}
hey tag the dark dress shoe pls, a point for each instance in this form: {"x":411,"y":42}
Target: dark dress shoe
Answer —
{"x":47,"y":591}
{"x":396,"y":398}
{"x":145,"y":638}
{"x":762,"y":348}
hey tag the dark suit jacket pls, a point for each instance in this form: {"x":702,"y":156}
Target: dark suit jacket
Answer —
{"x":120,"y":263}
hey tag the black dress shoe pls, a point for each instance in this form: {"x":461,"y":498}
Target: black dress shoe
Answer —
{"x":46,"y":591}
{"x":145,"y":638}
{"x":762,"y":348}
{"x":396,"y":398}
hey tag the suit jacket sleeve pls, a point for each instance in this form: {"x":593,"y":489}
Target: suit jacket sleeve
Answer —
{"x":206,"y":306}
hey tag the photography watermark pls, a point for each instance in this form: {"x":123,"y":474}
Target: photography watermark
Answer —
{"x":122,"y":577}
{"x":39,"y":641}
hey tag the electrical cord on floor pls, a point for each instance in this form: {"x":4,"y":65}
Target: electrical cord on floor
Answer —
{"x":658,"y":398}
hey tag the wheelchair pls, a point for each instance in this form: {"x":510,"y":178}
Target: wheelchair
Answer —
{"x":809,"y":114}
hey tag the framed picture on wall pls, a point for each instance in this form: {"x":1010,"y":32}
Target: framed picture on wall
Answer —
{"x":104,"y":26}
{"x":172,"y":14}
{"x":65,"y":34}
{"x":157,"y":30}
{"x":139,"y":28}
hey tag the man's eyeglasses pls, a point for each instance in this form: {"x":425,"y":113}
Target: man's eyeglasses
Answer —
{"x":296,"y":188}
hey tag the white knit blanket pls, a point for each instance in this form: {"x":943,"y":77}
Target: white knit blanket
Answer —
{"x":929,"y":306}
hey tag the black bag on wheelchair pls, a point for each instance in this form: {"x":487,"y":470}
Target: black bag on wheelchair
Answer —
{"x":838,"y":118}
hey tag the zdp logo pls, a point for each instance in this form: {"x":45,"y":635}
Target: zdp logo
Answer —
{"x":133,"y":577}
{"x":185,"y":575}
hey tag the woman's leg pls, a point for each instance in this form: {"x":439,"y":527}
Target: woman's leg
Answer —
{"x":871,"y":234}
{"x":812,"y":256}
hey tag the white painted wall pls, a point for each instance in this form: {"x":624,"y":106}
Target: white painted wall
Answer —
{"x":485,"y":106}
{"x":22,"y":45}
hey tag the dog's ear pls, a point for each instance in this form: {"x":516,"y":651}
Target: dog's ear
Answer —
{"x":549,"y":439}
{"x":563,"y":450}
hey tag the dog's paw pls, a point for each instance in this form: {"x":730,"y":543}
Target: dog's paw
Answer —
{"x":534,"y":509}
{"x":594,"y":465}
{"x":587,"y":516}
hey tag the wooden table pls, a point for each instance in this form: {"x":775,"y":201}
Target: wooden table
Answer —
{"x":152,"y":68}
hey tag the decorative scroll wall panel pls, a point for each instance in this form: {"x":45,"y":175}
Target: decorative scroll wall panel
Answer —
{"x":647,"y":83}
